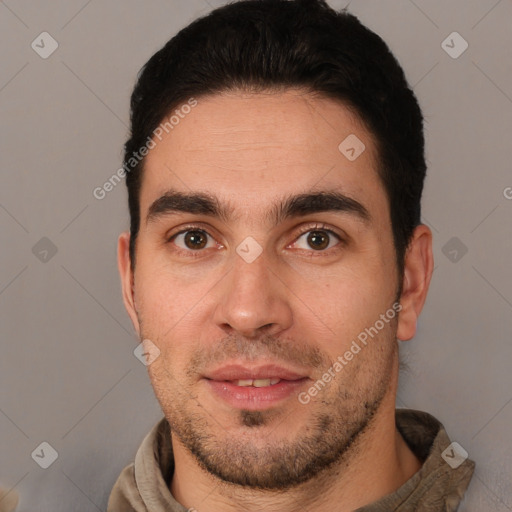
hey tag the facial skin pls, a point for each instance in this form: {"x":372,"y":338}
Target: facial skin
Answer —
{"x":321,"y":279}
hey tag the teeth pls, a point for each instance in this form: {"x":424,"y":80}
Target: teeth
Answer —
{"x":257,"y":383}
{"x":247,"y":382}
{"x":260,"y":383}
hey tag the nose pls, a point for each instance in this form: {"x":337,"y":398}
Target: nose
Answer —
{"x":254,"y":300}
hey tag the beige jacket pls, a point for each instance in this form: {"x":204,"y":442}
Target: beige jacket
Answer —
{"x":437,"y":487}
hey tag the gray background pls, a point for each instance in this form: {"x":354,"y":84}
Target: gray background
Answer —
{"x":67,"y":369}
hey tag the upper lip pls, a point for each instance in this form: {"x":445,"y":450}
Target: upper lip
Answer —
{"x":233,"y":372}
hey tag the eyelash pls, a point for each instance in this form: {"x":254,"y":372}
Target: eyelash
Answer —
{"x":317,"y":227}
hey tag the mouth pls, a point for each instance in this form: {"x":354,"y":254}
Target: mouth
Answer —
{"x":255,"y":388}
{"x":255,"y":374}
{"x":257,"y":383}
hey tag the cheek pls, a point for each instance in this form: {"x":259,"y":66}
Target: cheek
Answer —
{"x":337,"y":306}
{"x":171,"y":307}
{"x":164,"y":290}
{"x":157,"y":309}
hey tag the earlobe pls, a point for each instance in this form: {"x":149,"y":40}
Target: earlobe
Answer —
{"x":127,"y":278}
{"x":418,"y":267}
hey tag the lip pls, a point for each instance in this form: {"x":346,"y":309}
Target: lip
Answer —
{"x":251,"y":398}
{"x":237,"y":372}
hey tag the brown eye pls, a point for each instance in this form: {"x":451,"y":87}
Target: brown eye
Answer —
{"x":195,"y":239}
{"x":318,"y":240}
{"x":191,"y":240}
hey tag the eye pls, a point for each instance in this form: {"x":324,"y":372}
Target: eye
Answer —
{"x":192,"y":240}
{"x":317,"y":239}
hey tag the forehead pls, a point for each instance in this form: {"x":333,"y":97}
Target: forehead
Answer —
{"x":252,"y":148}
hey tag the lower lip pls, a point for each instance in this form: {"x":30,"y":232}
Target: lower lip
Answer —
{"x":251,"y":398}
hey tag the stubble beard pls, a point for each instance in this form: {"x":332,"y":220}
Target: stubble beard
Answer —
{"x":341,"y":416}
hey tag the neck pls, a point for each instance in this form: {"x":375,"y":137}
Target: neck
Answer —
{"x":376,"y":464}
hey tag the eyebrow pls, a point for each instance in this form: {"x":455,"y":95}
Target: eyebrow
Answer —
{"x":201,"y":203}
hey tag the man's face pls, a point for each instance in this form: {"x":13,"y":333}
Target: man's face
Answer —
{"x":289,"y":286}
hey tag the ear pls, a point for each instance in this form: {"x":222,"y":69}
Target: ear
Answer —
{"x":418,"y":266}
{"x":127,"y":282}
